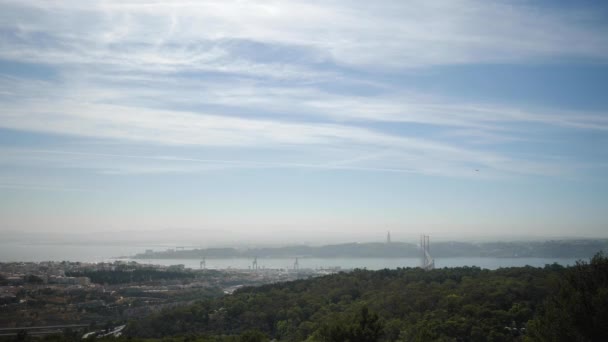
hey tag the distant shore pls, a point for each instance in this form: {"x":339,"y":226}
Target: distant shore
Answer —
{"x":533,"y":249}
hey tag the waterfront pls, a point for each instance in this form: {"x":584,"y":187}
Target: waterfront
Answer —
{"x":11,"y":252}
{"x":98,"y":253}
{"x":351,"y":263}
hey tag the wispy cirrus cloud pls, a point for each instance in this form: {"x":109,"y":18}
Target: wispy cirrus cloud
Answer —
{"x":300,"y":102}
{"x":207,"y":34}
{"x":260,"y":76}
{"x":159,"y":112}
{"x":406,"y":161}
{"x":303,"y":119}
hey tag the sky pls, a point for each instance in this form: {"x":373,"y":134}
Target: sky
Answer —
{"x":304,"y":121}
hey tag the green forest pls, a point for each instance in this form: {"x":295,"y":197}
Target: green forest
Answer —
{"x":553,"y":303}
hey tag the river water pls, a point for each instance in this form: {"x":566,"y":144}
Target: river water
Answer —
{"x":95,"y":253}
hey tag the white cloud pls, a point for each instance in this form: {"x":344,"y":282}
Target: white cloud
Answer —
{"x":189,"y":128}
{"x":118,"y":62}
{"x":192,"y":35}
{"x":303,"y":102}
{"x":316,"y":145}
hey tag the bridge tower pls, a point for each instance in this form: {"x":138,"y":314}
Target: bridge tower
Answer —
{"x":426,"y":260}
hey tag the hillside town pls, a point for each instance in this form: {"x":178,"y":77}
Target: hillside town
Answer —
{"x":87,"y":296}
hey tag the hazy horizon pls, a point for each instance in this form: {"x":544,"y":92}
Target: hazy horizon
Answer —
{"x":220,"y":238}
{"x":303,"y":122}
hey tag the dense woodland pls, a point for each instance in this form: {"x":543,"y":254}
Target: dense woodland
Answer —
{"x":452,"y":304}
{"x":553,"y":303}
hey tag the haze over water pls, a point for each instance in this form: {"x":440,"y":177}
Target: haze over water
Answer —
{"x":108,"y":253}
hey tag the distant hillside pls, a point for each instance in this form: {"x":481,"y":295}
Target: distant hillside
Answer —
{"x":551,"y":249}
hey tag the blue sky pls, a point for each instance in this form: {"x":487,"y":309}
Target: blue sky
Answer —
{"x":304,"y":121}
